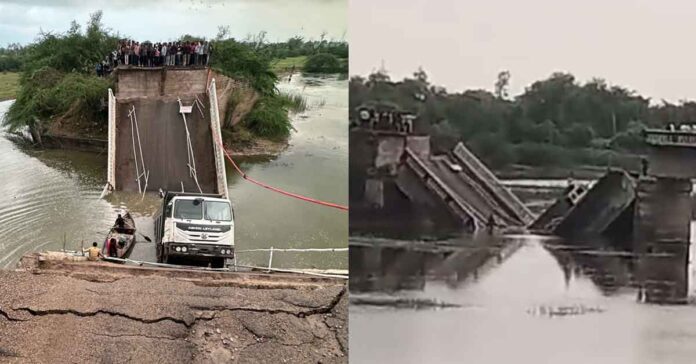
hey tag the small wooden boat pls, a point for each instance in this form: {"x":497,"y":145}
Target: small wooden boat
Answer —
{"x":120,"y":240}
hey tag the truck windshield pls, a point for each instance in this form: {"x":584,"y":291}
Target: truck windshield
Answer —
{"x":217,"y":210}
{"x":188,"y":209}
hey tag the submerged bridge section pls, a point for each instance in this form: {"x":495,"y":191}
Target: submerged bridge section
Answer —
{"x":164,"y":130}
{"x":395,"y":171}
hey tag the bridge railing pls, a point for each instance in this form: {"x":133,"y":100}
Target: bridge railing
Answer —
{"x":489,"y":180}
{"x":272,"y":250}
{"x":436,"y":185}
{"x":111,"y":166}
{"x":217,"y":135}
{"x":659,"y":137}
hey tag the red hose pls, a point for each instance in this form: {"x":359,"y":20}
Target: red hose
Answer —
{"x":286,"y":193}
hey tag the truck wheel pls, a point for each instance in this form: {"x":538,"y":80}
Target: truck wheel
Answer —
{"x":217,"y":262}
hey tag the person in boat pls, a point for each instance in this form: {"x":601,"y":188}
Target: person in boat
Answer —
{"x":112,"y":248}
{"x":121,"y":242}
{"x":93,"y":252}
{"x":120,"y":223}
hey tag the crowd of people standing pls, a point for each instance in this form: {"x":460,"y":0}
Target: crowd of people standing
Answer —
{"x":147,"y":54}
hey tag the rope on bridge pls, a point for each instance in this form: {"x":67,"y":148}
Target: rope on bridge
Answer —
{"x":189,"y":146}
{"x":135,"y":133}
{"x":275,"y":189}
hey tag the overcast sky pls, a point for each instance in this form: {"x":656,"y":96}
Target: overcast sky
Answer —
{"x":648,"y":46}
{"x":20,"y":20}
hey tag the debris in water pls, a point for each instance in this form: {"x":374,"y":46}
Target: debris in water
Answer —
{"x":413,"y":303}
{"x":573,"y":310}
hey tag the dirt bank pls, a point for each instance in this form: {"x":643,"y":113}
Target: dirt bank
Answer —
{"x":72,"y":312}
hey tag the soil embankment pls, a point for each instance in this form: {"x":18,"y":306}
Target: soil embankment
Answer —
{"x":57,"y":311}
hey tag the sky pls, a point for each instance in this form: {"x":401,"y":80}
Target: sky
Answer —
{"x":646,"y":46}
{"x":154,"y":20}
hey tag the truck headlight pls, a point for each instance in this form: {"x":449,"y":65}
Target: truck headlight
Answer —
{"x":184,"y":249}
{"x":178,"y":248}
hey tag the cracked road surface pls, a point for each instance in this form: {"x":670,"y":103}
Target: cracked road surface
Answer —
{"x":68,"y":312}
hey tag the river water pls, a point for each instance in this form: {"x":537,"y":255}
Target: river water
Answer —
{"x":51,"y":196}
{"x":506,"y":311}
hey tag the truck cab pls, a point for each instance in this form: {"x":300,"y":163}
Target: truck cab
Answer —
{"x":194,"y":227}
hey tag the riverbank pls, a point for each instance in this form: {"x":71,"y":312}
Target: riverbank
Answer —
{"x":117,"y":313}
{"x":9,"y":83}
{"x":284,"y":66}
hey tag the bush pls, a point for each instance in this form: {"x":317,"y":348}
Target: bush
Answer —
{"x":240,"y":61}
{"x":57,"y":79}
{"x":269,"y":118}
{"x":493,"y":149}
{"x":579,"y":135}
{"x":547,"y":155}
{"x":47,"y":93}
{"x":294,"y":102}
{"x":323,"y":63}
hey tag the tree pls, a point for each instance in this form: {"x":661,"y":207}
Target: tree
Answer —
{"x":501,"y":84}
{"x":323,"y":63}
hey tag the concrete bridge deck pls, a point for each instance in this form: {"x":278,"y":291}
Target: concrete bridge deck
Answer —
{"x":69,"y":312}
{"x":149,"y":144}
{"x":468,"y":187}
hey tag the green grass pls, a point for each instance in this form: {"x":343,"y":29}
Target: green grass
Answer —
{"x":294,"y":102}
{"x":286,"y":64}
{"x":9,"y":82}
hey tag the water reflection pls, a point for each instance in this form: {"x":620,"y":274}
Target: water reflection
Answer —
{"x":542,"y":303}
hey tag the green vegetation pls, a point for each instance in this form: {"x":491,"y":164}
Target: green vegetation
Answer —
{"x":11,"y":58}
{"x":58,"y":83}
{"x":289,"y":63}
{"x":556,"y":122}
{"x":296,"y":51}
{"x":9,"y":83}
{"x":294,"y":102}
{"x":325,"y":63}
{"x":57,"y":80}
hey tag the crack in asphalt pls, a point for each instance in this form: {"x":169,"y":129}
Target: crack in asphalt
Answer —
{"x":34,"y":312}
{"x":140,"y":335}
{"x":187,"y":323}
{"x":8,"y":317}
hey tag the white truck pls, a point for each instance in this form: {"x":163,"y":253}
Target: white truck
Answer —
{"x":194,"y":227}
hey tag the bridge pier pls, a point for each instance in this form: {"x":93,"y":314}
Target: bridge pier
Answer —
{"x":662,"y":231}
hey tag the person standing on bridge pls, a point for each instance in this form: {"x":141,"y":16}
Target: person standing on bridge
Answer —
{"x":136,"y":54}
{"x":179,"y":54}
{"x":200,"y":52}
{"x":163,"y":54}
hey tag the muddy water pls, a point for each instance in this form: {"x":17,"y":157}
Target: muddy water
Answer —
{"x":512,"y":311}
{"x":50,"y":196}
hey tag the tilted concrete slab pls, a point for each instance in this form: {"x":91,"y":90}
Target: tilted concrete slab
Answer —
{"x":601,"y":206}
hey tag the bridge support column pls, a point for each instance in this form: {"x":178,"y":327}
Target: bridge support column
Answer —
{"x":662,"y":229}
{"x":374,"y":192}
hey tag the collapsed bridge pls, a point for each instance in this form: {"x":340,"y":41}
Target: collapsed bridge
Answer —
{"x":395,"y":176}
{"x":164,"y":132}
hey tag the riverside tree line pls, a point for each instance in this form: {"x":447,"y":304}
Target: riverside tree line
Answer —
{"x":58,"y":81}
{"x":555,"y":122}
